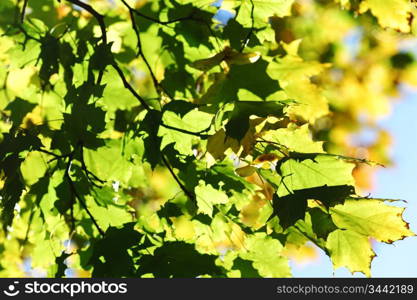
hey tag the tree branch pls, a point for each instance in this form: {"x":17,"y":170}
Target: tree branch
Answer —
{"x":190,"y":17}
{"x":100,"y":20}
{"x":140,"y":53}
{"x":22,"y":14}
{"x":189,"y":194}
{"x":203,"y":136}
{"x":131,"y":9}
{"x":99,"y":17}
{"x":248,"y":36}
{"x":55,"y":156}
{"x":77,"y":196}
{"x":130,"y":88}
{"x":90,"y":175}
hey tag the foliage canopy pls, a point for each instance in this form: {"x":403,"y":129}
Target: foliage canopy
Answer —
{"x":179,"y":138}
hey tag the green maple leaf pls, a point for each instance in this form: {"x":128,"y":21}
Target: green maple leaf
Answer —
{"x":194,"y":121}
{"x":19,"y":108}
{"x":294,"y":138}
{"x":207,"y":197}
{"x":320,"y":171}
{"x":238,"y":124}
{"x":292,"y":207}
{"x":263,"y":9}
{"x":169,"y":260}
{"x":264,"y":252}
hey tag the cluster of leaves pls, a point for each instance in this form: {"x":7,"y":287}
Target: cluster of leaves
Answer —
{"x":368,"y":66}
{"x":179,"y":138}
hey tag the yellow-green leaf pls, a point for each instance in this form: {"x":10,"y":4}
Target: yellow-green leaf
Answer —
{"x":263,"y":9}
{"x":372,"y":218}
{"x":390,"y":13}
{"x":265,"y":253}
{"x":295,"y":138}
{"x":351,"y":250}
{"x":294,"y":76}
{"x":207,"y":197}
{"x":322,"y":171}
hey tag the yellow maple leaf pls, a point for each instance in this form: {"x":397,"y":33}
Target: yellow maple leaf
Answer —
{"x":390,"y":13}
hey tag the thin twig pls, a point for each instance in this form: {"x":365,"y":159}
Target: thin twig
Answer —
{"x":55,"y":156}
{"x":72,"y":228}
{"x":73,"y":189}
{"x":314,"y":240}
{"x":22,"y":14}
{"x":32,"y":213}
{"x":100,"y":20}
{"x":199,"y":134}
{"x":248,"y":36}
{"x":129,"y":87}
{"x":77,"y":196}
{"x":164,"y":22}
{"x":91,"y":177}
{"x":301,"y":155}
{"x":99,"y":17}
{"x":27,"y":35}
{"x":190,"y":17}
{"x":140,"y":52}
{"x":67,"y":175}
{"x":131,"y":9}
{"x":189,"y":194}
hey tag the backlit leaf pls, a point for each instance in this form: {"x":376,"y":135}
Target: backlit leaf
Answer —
{"x":372,"y":218}
{"x":351,"y":250}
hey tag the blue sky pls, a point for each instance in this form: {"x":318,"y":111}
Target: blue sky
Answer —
{"x":398,"y":182}
{"x":399,"y":260}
